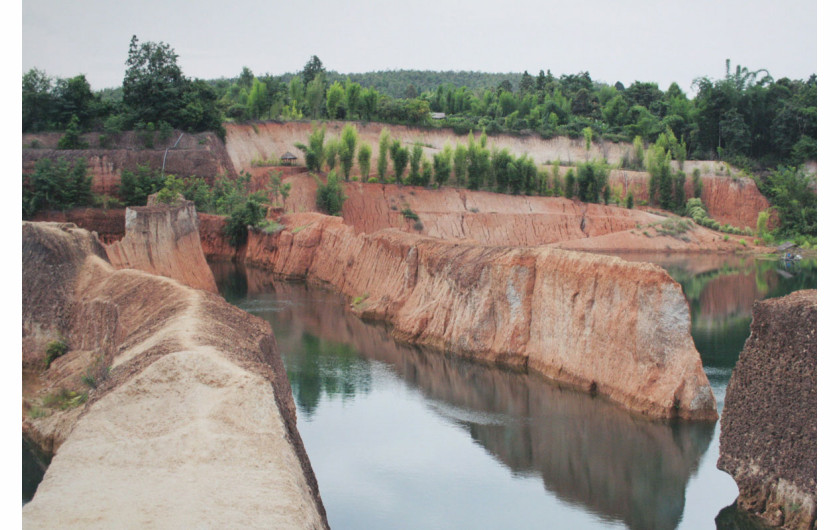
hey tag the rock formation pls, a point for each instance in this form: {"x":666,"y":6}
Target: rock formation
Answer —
{"x":164,"y":239}
{"x":193,"y":426}
{"x":599,"y":323}
{"x":768,"y":439}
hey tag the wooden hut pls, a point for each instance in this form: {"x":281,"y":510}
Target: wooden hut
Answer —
{"x":288,"y":159}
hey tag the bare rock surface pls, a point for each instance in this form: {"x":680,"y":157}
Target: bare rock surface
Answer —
{"x":768,"y":439}
{"x":164,"y":239}
{"x":595,"y":322}
{"x":195,"y":425}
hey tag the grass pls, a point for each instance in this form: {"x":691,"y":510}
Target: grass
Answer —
{"x":37,"y":412}
{"x":672,"y":226}
{"x":97,"y":373}
{"x":358,"y":300}
{"x":270,"y":227}
{"x":64,"y":399}
{"x":266,"y":162}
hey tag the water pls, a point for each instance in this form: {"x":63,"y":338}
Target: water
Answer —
{"x":400,"y":437}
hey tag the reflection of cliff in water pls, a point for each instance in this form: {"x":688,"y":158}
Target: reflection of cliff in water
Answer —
{"x":588,"y":452}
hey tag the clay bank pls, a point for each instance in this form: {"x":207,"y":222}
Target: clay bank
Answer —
{"x":193,"y":426}
{"x":601,"y":324}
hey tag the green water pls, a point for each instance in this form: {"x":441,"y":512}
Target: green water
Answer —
{"x":400,"y":437}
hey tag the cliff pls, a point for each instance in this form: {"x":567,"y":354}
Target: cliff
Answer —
{"x":164,"y":240}
{"x":193,"y":425}
{"x":202,"y":155}
{"x":768,"y":439}
{"x":548,"y":310}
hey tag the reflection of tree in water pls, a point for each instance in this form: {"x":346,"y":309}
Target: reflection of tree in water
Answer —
{"x":320,"y":367}
{"x":721,"y":301}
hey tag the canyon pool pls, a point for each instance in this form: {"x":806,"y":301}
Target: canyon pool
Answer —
{"x":402,"y":437}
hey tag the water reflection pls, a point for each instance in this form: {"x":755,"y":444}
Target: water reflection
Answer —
{"x":588,"y":453}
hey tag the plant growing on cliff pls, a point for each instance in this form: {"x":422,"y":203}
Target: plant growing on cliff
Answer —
{"x":364,"y":160}
{"x":382,"y":162}
{"x":330,"y":196}
{"x":347,"y":149}
{"x":249,"y":213}
{"x":314,"y":152}
{"x":56,"y":186}
{"x":399,"y":155}
{"x":136,"y":186}
{"x":55,"y":349}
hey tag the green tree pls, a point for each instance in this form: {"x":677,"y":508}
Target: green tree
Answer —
{"x":414,"y":164}
{"x":369,"y":102}
{"x":39,"y":104}
{"x":249,"y":213}
{"x":442,"y":163}
{"x":315,"y":96}
{"x":137,"y":185}
{"x":330,"y":196}
{"x":791,"y":191}
{"x":258,"y":100}
{"x":331,"y":151}
{"x":399,"y":156}
{"x":335,"y":101}
{"x":382,"y":162}
{"x":56,"y":186}
{"x":352,"y":96}
{"x":365,"y":152}
{"x":72,"y":136}
{"x":153,"y":84}
{"x":314,"y":152}
{"x":459,"y":162}
{"x":312,"y":69}
{"x":347,"y":149}
{"x":570,"y":186}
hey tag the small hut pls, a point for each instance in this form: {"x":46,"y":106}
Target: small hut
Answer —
{"x":288,"y":159}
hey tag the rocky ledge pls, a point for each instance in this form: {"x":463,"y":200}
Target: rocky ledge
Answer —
{"x":768,"y":439}
{"x":192,"y":426}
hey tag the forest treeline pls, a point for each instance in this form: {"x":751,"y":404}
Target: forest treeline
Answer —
{"x":745,"y":117}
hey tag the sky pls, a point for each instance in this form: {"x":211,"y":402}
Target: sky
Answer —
{"x":663,"y":41}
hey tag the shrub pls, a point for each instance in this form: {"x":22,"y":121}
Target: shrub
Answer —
{"x":96,"y":373}
{"x":55,"y":349}
{"x":373,"y":180}
{"x":56,"y":185}
{"x":250,"y":213}
{"x":742,"y":242}
{"x":330,"y":197}
{"x":418,"y":226}
{"x":408,"y":213}
{"x":726,"y":237}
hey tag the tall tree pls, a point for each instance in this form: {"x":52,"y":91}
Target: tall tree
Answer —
{"x":382,"y":162}
{"x":312,"y":69}
{"x":153,"y":82}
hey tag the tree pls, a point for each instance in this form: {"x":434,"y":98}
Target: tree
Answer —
{"x":315,"y":96}
{"x":331,"y":152}
{"x":39,"y":104}
{"x":335,"y":101}
{"x":414,"y":161}
{"x":153,"y":82}
{"x":352,"y":95}
{"x":312,"y":69}
{"x":790,"y":190}
{"x":250,"y":213}
{"x":382,"y":162}
{"x":442,"y":163}
{"x":258,"y":100}
{"x":330,"y":197}
{"x":347,"y":149}
{"x":399,"y":155}
{"x":364,"y":159}
{"x":137,"y":185}
{"x":56,"y":185}
{"x":369,"y":102}
{"x":314,"y":152}
{"x":72,"y":136}
{"x":459,"y":161}
{"x":570,"y":186}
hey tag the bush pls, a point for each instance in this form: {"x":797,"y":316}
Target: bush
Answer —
{"x":250,"y":213}
{"x":64,"y":399}
{"x":55,"y":349}
{"x":408,"y":213}
{"x":137,"y":185}
{"x":56,"y":186}
{"x":418,"y":226}
{"x":330,"y":197}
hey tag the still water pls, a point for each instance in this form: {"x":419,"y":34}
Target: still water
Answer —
{"x":400,"y":437}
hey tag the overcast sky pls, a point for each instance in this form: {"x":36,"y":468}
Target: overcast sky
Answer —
{"x":655,"y":40}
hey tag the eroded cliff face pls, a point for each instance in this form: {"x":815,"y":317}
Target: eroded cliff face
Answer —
{"x":202,"y":155}
{"x":164,"y":239}
{"x":768,"y":440}
{"x":614,"y":328}
{"x":195,"y":424}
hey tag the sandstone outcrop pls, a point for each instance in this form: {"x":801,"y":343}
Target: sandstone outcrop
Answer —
{"x":768,"y":440}
{"x":599,"y":323}
{"x":109,"y":224}
{"x":164,"y":239}
{"x":194,"y":426}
